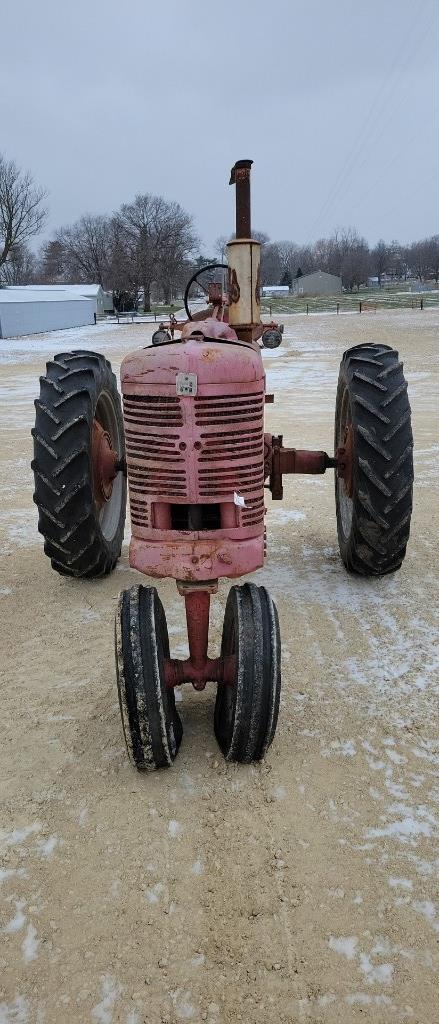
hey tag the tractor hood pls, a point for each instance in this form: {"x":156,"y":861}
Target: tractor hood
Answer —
{"x":213,"y":362}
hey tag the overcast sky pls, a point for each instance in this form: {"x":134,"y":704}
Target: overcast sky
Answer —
{"x":336,"y":103}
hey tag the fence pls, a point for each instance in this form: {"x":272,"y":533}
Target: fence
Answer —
{"x":351,"y":304}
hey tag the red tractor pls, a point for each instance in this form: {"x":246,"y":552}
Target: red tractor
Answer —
{"x":191,"y":442}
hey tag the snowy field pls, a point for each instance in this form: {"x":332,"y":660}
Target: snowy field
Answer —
{"x":301,"y":889}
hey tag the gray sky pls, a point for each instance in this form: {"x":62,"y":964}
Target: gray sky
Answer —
{"x":337,"y":106}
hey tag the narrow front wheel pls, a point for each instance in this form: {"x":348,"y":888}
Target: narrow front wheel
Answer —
{"x":246,"y":712}
{"x":151,"y":724}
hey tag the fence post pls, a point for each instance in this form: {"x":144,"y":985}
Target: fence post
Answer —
{"x":360,"y":307}
{"x":338,"y":308}
{"x":307,"y":310}
{"x":422,"y":303}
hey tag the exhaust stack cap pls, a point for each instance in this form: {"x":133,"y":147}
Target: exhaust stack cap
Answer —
{"x":244,"y":164}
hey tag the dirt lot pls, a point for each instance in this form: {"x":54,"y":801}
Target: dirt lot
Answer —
{"x":301,"y":889}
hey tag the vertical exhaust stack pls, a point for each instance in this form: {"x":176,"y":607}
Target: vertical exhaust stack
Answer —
{"x":244,"y":258}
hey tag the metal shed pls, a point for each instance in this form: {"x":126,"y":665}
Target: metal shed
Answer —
{"x":24,"y":311}
{"x":89,"y":291}
{"x":317,"y":283}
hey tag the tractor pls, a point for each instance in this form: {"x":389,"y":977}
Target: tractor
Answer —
{"x":191,"y":447}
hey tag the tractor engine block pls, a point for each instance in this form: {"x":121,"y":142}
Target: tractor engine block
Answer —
{"x":194,"y":426}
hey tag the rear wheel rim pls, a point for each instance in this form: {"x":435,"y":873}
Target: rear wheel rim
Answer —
{"x":109,"y":513}
{"x":345,"y":503}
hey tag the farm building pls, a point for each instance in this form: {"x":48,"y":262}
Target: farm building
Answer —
{"x":275,"y":289}
{"x":317,"y":283}
{"x":89,"y":291}
{"x":29,"y":311}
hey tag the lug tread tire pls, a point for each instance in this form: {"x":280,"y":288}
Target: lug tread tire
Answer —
{"x":68,"y":520}
{"x":151,"y":724}
{"x":246,"y":714}
{"x":383,"y":460}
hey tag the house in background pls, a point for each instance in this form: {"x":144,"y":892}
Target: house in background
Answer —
{"x":36,"y":310}
{"x":317,"y":283}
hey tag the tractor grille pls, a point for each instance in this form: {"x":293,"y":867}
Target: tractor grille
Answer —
{"x":139,"y":512}
{"x":231,"y":458}
{"x":227,"y":458}
{"x":156,"y":466}
{"x":152,"y":410}
{"x":253,"y":512}
{"x":225,"y":409}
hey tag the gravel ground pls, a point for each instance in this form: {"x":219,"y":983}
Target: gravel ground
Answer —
{"x":300,"y":889}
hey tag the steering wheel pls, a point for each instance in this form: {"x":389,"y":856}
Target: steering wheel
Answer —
{"x":195,"y":279}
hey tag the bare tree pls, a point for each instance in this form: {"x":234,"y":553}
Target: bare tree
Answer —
{"x":22,"y":213}
{"x":346,"y":255}
{"x":355,"y":259}
{"x":20,"y":267}
{"x":220,"y":249}
{"x":86,"y":247}
{"x":158,"y":236}
{"x":179,"y":242}
{"x":433,"y":256}
{"x":380,"y":258}
{"x":271,"y":267}
{"x":295,"y":257}
{"x":398,"y":266}
{"x":418,"y":255}
{"x":51,"y":263}
{"x":124,"y":270}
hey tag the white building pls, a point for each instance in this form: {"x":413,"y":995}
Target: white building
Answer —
{"x":34,"y":311}
{"x":89,"y":291}
{"x":275,"y":289}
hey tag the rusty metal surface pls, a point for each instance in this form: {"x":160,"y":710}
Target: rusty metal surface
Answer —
{"x":295,"y":460}
{"x":344,"y":458}
{"x":240,"y":177}
{"x":198,"y":669}
{"x":228,"y":555}
{"x":280,"y":461}
{"x":214,"y":670}
{"x":104,"y":462}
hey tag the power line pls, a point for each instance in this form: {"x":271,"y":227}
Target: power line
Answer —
{"x":428,"y":117}
{"x":399,"y":65}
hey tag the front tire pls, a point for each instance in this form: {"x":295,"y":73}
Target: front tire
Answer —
{"x":373,"y":428}
{"x":82,"y":530}
{"x":246,"y":713}
{"x":151,"y":724}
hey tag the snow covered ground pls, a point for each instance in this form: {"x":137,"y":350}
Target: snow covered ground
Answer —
{"x":301,"y":889}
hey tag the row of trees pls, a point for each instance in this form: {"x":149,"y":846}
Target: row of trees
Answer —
{"x":349,"y":256}
{"x":148,"y":241}
{"x":151,"y":243}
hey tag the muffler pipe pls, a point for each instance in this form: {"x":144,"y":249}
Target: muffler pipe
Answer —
{"x":240,"y":177}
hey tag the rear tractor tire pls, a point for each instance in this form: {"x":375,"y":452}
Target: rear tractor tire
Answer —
{"x":78,"y":433}
{"x":246,"y":713}
{"x":373,"y":434}
{"x":151,"y":724}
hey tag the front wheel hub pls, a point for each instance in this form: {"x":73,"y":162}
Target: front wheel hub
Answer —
{"x":345,"y":458}
{"x":104,"y":460}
